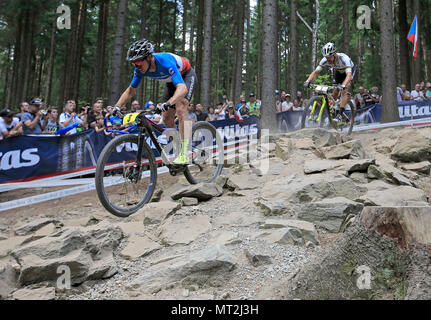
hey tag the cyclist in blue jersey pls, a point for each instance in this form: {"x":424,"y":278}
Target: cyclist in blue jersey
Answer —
{"x":180,"y":81}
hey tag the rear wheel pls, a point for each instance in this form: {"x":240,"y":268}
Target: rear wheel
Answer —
{"x":207,"y":156}
{"x":313,"y":115}
{"x":121,"y":187}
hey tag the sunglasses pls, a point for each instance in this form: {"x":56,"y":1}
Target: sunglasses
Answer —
{"x":138,"y":63}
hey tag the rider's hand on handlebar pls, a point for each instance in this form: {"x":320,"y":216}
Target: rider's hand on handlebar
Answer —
{"x":115,"y":111}
{"x":307,"y":84}
{"x":163,"y":107}
{"x":341,"y":87}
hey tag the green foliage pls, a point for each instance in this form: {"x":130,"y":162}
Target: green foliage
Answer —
{"x":160,"y":28}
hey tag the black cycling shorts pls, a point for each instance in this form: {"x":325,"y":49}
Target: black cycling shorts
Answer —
{"x":190,"y":79}
{"x":340,"y":77}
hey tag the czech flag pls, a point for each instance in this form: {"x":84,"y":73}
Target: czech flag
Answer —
{"x":413,"y":36}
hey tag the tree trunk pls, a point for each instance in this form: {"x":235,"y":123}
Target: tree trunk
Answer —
{"x":6,"y":92}
{"x":247,"y":50}
{"x":390,"y":104}
{"x":118,"y":52}
{"x":183,"y":44}
{"x":260,"y":52}
{"x":51,"y":63}
{"x":140,"y":92}
{"x":12,"y":98}
{"x":346,"y":33}
{"x":27,"y":58}
{"x":404,"y":45}
{"x":174,"y":28}
{"x":199,"y":41}
{"x":269,"y":53}
{"x":315,"y":32}
{"x":293,"y":57}
{"x":99,"y":57}
{"x":239,"y":50}
{"x":192,"y":29}
{"x":79,"y":50}
{"x":206,"y":57}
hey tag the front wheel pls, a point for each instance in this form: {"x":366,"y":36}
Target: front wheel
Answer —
{"x":122,"y":188}
{"x":207,"y":154}
{"x":314,"y":114}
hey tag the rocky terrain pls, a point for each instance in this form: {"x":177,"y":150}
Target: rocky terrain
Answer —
{"x":296,"y":229}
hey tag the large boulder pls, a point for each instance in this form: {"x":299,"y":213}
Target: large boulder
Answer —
{"x":244,"y":182}
{"x":347,"y":165}
{"x":330,"y":214}
{"x":88,"y":252}
{"x":318,"y":166}
{"x":201,"y":191}
{"x":210,"y":265}
{"x":389,"y":174}
{"x":8,"y":276}
{"x":348,"y":150}
{"x":300,"y":190}
{"x":421,"y":167}
{"x":384,"y":195}
{"x":156,"y":213}
{"x":183,"y":230}
{"x":33,"y":226}
{"x":288,"y":231}
{"x":273,"y":208}
{"x":35,"y":294}
{"x":138,"y":247}
{"x":412,"y":146}
{"x":319,"y":136}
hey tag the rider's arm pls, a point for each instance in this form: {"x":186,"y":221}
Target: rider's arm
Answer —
{"x":348,"y":78}
{"x":313,"y":75}
{"x":126,"y":96}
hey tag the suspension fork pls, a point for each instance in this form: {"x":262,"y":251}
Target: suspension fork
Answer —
{"x":141,"y":139}
{"x":321,"y":109}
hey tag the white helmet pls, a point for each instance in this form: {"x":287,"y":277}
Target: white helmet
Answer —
{"x":329,"y":50}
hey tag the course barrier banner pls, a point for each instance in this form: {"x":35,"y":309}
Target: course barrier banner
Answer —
{"x":409,"y":110}
{"x":26,"y":158}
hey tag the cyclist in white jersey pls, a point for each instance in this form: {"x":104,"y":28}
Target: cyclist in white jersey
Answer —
{"x":344,"y":71}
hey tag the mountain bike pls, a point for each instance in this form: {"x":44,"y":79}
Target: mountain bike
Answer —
{"x":322,"y":111}
{"x":126,"y":171}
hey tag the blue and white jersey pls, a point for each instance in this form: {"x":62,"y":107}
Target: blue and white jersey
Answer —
{"x":169,"y":68}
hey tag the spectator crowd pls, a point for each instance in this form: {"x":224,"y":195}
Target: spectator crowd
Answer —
{"x":34,"y":117}
{"x":421,"y":92}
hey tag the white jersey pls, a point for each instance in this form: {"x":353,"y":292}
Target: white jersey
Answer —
{"x":343,"y":64}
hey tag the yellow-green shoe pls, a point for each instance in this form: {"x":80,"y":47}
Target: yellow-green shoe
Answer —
{"x":182,"y":159}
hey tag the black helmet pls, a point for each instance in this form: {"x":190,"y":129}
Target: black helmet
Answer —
{"x":140,"y":50}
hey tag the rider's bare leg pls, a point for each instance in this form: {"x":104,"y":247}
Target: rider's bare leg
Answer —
{"x":345,"y":97}
{"x":181,"y":108}
{"x":169,"y":120}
